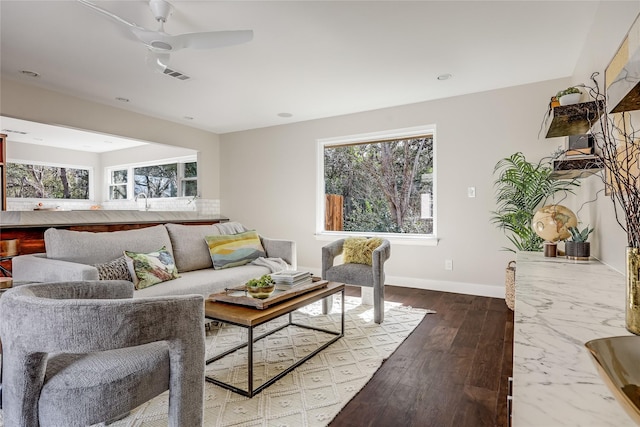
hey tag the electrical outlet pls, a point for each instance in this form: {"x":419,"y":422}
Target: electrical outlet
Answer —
{"x":448,"y":264}
{"x":471,"y":191}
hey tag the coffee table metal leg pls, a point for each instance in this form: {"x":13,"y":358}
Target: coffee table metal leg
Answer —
{"x":250,"y":361}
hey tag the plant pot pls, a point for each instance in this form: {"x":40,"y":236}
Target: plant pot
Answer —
{"x":632,"y":311}
{"x":577,"y":250}
{"x":260,"y":292}
{"x":570,"y":99}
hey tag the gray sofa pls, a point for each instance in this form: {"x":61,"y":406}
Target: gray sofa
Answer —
{"x":73,"y":256}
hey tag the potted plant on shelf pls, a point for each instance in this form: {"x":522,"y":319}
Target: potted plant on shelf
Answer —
{"x":262,"y":287}
{"x":577,"y":246}
{"x":569,"y":96}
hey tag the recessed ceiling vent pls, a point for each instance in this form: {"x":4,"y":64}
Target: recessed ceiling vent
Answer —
{"x":13,"y":131}
{"x":175,"y":74}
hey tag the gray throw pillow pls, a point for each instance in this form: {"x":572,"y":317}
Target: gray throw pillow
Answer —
{"x":114,"y":270}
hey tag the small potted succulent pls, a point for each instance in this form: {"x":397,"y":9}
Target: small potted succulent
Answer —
{"x":578,"y":247}
{"x":262,"y":287}
{"x":570,"y":95}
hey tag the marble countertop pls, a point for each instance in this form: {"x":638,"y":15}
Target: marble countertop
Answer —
{"x":17,"y":219}
{"x":560,"y":305}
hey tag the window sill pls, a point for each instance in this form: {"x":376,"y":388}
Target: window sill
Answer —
{"x":409,"y":240}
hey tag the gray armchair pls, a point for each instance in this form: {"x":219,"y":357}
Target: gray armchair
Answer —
{"x":357,"y":274}
{"x":80,"y":353}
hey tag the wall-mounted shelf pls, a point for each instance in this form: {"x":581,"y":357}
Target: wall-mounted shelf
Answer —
{"x":621,"y":76}
{"x":574,"y":119}
{"x":580,"y":167}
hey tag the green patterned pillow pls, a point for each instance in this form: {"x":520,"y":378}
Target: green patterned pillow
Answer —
{"x":234,"y":250}
{"x":152,"y":268}
{"x":359,"y":250}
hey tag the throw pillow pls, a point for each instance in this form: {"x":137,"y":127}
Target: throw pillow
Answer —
{"x":148,"y":269}
{"x":114,"y":270}
{"x":235,"y":249}
{"x":359,"y":250}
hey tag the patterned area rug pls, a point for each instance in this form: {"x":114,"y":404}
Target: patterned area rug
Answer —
{"x":312,"y":394}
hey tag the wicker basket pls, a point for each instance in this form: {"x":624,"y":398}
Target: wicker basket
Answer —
{"x":510,"y":285}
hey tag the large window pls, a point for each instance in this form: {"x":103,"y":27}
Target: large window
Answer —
{"x":174,"y":179}
{"x":47,"y":182}
{"x":379,"y":183}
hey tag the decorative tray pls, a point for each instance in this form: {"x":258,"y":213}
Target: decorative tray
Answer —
{"x":239,"y":296}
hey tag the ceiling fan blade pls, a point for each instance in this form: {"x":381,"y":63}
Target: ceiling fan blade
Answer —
{"x":157,"y":61}
{"x":108,"y":14}
{"x":159,"y":41}
{"x":214,"y":39}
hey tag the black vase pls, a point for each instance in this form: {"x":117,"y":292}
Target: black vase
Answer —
{"x":577,"y":250}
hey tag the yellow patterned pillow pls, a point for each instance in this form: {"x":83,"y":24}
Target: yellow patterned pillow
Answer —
{"x":359,"y":250}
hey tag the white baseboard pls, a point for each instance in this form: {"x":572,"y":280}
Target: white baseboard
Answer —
{"x":436,"y":285}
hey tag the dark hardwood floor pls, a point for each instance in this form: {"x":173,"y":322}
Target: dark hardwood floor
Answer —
{"x":451,"y":371}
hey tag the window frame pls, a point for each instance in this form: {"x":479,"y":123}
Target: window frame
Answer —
{"x":180,"y":161}
{"x":404,"y":133}
{"x":56,"y":165}
{"x":110,"y":183}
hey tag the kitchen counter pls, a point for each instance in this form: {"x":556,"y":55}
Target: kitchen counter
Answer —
{"x":560,"y":305}
{"x":26,"y":219}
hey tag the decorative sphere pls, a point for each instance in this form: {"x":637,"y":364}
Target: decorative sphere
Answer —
{"x":552,"y":222}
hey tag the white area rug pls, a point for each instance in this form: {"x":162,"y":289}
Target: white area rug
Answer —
{"x":312,"y":394}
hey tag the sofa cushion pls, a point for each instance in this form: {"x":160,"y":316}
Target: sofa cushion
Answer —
{"x":93,"y":248}
{"x":148,"y":269}
{"x":204,"y":282}
{"x":189,"y":247}
{"x":233,"y":250}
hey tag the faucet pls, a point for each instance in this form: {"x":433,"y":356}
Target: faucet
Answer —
{"x":146,"y":205}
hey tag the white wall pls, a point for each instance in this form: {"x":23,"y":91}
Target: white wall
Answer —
{"x":33,"y":103}
{"x":270,"y":178}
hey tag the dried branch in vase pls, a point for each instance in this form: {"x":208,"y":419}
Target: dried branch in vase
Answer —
{"x":618,"y":147}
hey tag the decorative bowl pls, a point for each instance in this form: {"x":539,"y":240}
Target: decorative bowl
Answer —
{"x":261,"y":292}
{"x":618,"y":362}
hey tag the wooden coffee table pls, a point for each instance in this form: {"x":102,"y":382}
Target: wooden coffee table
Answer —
{"x":249,"y":318}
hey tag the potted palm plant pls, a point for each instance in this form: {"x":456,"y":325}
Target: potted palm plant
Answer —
{"x":577,"y":247}
{"x":521,"y":188}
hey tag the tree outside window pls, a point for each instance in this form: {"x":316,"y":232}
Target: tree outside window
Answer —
{"x":177,"y":179}
{"x":118,"y":184}
{"x":380,"y":186}
{"x":47,"y":182}
{"x":156,"y":181}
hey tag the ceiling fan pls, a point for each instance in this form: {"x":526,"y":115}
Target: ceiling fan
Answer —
{"x":160,"y":44}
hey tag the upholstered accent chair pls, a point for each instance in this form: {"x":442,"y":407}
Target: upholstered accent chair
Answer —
{"x":81,"y":353}
{"x":363,"y":275}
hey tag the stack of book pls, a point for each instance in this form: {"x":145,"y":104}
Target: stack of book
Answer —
{"x":289,"y":278}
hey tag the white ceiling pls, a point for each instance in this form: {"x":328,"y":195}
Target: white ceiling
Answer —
{"x":311,"y":59}
{"x":62,"y":137}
